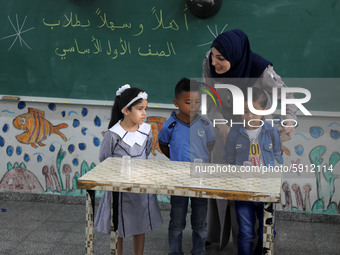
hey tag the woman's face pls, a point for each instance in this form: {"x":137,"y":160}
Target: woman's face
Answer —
{"x":219,"y":62}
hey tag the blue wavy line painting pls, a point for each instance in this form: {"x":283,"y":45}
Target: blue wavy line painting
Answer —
{"x":7,"y":111}
{"x":302,"y":135}
{"x":334,"y":123}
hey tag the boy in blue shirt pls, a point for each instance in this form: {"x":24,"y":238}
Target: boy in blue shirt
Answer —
{"x":259,"y":142}
{"x":184,"y":137}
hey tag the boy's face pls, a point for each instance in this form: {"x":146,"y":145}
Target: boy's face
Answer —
{"x":188,"y":103}
{"x":255,"y":119}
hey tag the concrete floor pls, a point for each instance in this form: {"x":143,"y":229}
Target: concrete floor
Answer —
{"x":51,"y":228}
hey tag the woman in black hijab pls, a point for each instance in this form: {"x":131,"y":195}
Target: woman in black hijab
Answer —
{"x":231,"y":61}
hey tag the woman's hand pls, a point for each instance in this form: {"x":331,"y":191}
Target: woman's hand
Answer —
{"x":288,"y":130}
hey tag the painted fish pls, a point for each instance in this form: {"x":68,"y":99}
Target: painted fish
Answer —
{"x":156,"y":125}
{"x":37,"y":127}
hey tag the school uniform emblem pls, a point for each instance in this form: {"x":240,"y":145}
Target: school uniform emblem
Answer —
{"x":201,"y":132}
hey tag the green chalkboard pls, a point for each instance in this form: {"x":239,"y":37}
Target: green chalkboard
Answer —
{"x":86,"y":49}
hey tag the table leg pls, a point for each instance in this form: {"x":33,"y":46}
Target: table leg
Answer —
{"x":113,"y":241}
{"x":89,"y":229}
{"x":268,"y":229}
{"x":113,"y":233}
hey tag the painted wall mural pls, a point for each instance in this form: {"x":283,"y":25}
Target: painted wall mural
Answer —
{"x":314,"y":186}
{"x":45,"y":148}
{"x":36,"y":127}
{"x":42,"y":159}
{"x":156,"y":125}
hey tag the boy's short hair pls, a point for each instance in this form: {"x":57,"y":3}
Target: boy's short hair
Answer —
{"x":186,"y":85}
{"x":259,"y":96}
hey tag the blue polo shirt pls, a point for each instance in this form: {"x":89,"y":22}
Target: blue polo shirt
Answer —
{"x":187,"y":141}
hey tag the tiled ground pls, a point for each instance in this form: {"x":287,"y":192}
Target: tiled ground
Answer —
{"x":49,"y":228}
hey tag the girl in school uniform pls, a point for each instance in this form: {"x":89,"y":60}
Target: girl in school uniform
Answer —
{"x":129,"y":135}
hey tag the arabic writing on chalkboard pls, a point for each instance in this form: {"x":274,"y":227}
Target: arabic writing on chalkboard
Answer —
{"x":122,"y":46}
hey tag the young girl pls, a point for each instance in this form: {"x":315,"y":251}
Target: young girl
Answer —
{"x":258,"y":142}
{"x":128,"y":135}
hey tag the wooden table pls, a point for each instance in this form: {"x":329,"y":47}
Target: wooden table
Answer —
{"x":173,"y":178}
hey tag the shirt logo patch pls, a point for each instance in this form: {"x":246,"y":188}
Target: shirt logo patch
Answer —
{"x":238,"y":146}
{"x":201,"y":132}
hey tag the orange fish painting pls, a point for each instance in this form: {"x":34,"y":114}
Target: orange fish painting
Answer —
{"x":156,"y":125}
{"x":37,"y":127}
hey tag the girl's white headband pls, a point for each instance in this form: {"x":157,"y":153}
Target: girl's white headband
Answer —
{"x":141,"y":95}
{"x":122,"y":89}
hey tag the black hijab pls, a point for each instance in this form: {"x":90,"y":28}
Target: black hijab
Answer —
{"x":234,"y":46}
